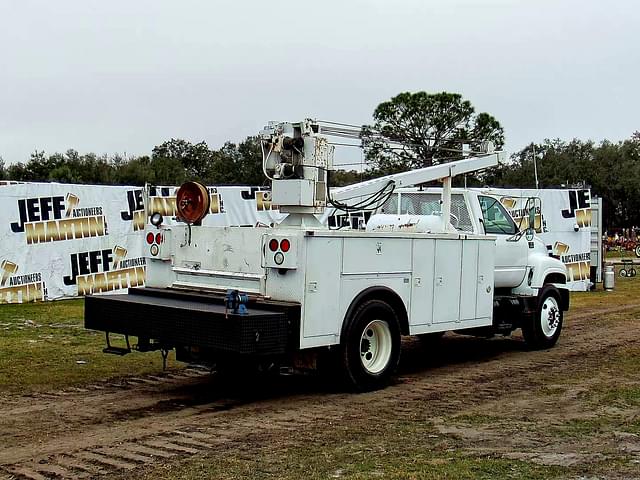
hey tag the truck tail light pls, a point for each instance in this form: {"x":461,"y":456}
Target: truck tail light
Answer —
{"x":192,"y":202}
{"x":150,"y":238}
{"x":279,"y":252}
{"x":158,"y":238}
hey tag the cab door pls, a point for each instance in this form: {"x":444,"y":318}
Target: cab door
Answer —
{"x":512,"y":247}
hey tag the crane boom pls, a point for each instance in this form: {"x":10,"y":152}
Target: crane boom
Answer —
{"x":299,"y":156}
{"x":444,"y":172}
{"x":416,"y":177}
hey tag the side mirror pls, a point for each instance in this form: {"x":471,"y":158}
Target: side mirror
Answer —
{"x":532,"y":222}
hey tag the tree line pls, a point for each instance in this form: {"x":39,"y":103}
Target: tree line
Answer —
{"x":411,"y":130}
{"x":171,"y":163}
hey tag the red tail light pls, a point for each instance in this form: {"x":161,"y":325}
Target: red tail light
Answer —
{"x":150,"y":238}
{"x":285,"y":245}
{"x":273,"y":245}
{"x":192,"y":202}
{"x":158,"y":238}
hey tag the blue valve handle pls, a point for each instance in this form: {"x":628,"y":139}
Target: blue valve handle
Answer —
{"x":236,"y":302}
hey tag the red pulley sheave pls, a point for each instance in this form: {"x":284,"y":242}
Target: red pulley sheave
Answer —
{"x":192,"y":202}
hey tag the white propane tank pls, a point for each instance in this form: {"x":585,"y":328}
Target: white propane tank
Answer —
{"x":609,"y":280}
{"x":384,"y":222}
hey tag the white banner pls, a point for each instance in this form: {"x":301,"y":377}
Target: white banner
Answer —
{"x":65,"y":240}
{"x":60,"y":241}
{"x":564,"y":224}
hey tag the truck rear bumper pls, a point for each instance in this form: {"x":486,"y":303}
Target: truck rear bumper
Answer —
{"x":176,"y":318}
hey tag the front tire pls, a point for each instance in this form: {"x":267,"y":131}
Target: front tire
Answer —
{"x":542,"y":330}
{"x":370,"y":348}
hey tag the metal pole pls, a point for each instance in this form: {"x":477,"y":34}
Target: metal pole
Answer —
{"x":446,"y":203}
{"x":535,"y":165}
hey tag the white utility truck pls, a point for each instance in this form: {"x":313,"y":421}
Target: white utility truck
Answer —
{"x":300,"y":293}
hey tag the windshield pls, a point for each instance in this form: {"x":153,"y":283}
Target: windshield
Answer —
{"x":495,"y":217}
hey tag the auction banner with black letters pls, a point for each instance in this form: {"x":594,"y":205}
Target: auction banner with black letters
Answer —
{"x":564,"y":224}
{"x":63,"y":241}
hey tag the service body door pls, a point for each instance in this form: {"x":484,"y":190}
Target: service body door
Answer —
{"x":447,"y":277}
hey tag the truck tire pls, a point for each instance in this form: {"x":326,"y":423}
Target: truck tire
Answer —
{"x":370,"y":347}
{"x":541,"y":330}
{"x":637,"y":250}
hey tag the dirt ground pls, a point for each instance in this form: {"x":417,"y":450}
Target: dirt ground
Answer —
{"x":466,"y":408}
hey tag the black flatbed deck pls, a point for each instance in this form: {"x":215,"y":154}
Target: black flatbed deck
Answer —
{"x":187,"y":318}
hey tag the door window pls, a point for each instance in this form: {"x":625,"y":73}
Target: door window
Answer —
{"x":496,"y":219}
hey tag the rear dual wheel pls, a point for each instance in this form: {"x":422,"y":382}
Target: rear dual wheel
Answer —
{"x":370,"y":348}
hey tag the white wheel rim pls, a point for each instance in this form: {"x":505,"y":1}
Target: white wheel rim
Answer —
{"x":375,"y":346}
{"x":550,"y":316}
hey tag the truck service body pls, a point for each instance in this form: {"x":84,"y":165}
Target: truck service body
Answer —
{"x":481,"y":213}
{"x":299,"y":292}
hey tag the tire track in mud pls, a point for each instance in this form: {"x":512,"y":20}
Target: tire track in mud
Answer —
{"x":118,"y":427}
{"x":105,"y":387}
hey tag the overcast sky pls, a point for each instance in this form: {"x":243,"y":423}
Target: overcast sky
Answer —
{"x":122,"y":76}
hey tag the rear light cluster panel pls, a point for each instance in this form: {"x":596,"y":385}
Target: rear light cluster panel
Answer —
{"x":280,"y":251}
{"x":155,"y":243}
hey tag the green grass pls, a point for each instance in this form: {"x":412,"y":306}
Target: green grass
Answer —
{"x":627,"y":360}
{"x":624,"y":396}
{"x":617,"y":385}
{"x":397,"y":449}
{"x":407,"y":466}
{"x":44,"y":346}
{"x":626,"y":290}
{"x":391,"y":453}
{"x":604,"y":425}
{"x":619,"y":253}
{"x":581,"y":427}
